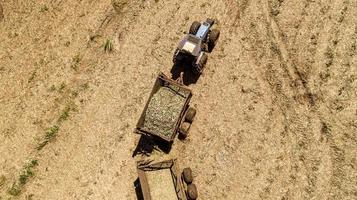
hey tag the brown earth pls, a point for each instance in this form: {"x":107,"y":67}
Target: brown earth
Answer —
{"x":276,"y":105}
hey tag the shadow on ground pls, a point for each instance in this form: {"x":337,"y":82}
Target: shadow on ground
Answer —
{"x":138,"y":191}
{"x":189,"y":77}
{"x":147,"y":144}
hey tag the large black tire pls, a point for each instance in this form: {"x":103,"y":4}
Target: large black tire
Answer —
{"x":184,"y":129}
{"x":176,"y":58}
{"x":190,"y":114}
{"x":187,"y":175}
{"x":203,"y":60}
{"x":194,"y":27}
{"x":212,"y":39}
{"x":192,"y":191}
{"x":201,"y":64}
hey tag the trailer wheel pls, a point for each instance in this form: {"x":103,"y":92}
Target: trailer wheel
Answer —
{"x":184,"y":129}
{"x":192,"y":191}
{"x":212,"y":39}
{"x":187,"y":175}
{"x":190,"y":114}
{"x":194,"y":27}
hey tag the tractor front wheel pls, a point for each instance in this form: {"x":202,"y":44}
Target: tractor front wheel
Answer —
{"x":194,"y":27}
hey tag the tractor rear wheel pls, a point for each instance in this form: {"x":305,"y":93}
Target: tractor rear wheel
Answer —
{"x":187,"y":175}
{"x":194,"y":27}
{"x":177,"y":58}
{"x":212,"y":39}
{"x":201,"y":64}
{"x":192,"y":191}
{"x":203,"y":60}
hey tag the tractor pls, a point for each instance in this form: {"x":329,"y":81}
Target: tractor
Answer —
{"x":193,"y":48}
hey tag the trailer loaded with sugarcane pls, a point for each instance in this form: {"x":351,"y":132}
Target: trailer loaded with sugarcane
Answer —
{"x":167,"y":111}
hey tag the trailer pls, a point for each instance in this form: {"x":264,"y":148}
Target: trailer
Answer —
{"x":167,"y":111}
{"x":164,"y":181}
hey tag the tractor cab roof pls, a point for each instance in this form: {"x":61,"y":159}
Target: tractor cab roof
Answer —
{"x":191,"y":44}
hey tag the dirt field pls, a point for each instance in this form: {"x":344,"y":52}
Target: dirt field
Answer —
{"x":276,"y":105}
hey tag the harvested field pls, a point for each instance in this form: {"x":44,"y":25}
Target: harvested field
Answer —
{"x":276,"y":104}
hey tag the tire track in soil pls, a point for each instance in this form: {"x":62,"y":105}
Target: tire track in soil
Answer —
{"x":338,"y":154}
{"x":300,"y":87}
{"x":236,"y":12}
{"x":287,"y":63}
{"x":280,"y":97}
{"x":302,"y":75}
{"x":332,"y":40}
{"x":253,"y":36}
{"x":301,"y":20}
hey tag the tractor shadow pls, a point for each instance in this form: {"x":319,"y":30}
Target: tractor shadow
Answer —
{"x":188,"y":76}
{"x":148,"y":144}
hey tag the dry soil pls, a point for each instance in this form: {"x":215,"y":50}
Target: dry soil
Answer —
{"x":276,"y":104}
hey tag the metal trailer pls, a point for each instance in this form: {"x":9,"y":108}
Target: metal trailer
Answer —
{"x":185,"y":118}
{"x":164,"y":181}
